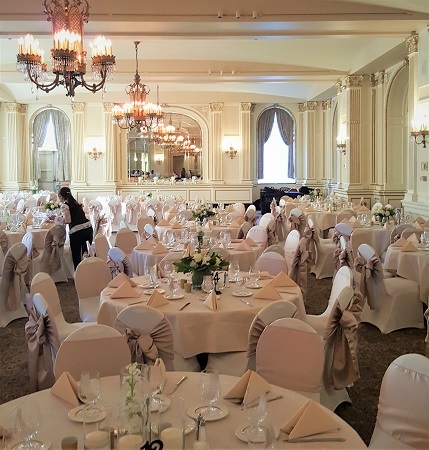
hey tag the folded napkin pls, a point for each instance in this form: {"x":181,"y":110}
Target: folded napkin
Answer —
{"x":426,"y":224}
{"x":211,"y":301}
{"x":282,"y":280}
{"x":386,"y":226}
{"x":159,"y":249}
{"x":66,"y":388}
{"x":268,"y":292}
{"x":420,"y":220}
{"x":241,"y":220}
{"x":409,"y":247}
{"x":152,"y":240}
{"x":309,"y":209}
{"x":176,"y":226}
{"x":265,"y":274}
{"x":400,"y":242}
{"x":173,"y":210}
{"x":159,"y":368}
{"x":164,"y":223}
{"x":356,"y":224}
{"x":362,"y":208}
{"x":249,"y":387}
{"x":125,"y":290}
{"x":243,"y":247}
{"x":289,"y":200}
{"x":119,"y":279}
{"x":310,"y":419}
{"x":235,"y":224}
{"x":156,"y":299}
{"x":144,"y":245}
{"x":345,"y":221}
{"x":352,"y":219}
{"x":188,"y":251}
{"x":417,"y":226}
{"x":295,"y":200}
{"x":223,"y":245}
{"x":251,"y":242}
{"x":413,"y":238}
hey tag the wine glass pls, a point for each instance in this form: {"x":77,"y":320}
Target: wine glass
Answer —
{"x":168,"y":268}
{"x":234,"y":271}
{"x":156,"y":381}
{"x":241,"y":281}
{"x":227,"y":239}
{"x":261,"y":434}
{"x":254,"y":276}
{"x":90,"y":390}
{"x":28,"y":423}
{"x":173,"y":285}
{"x":210,"y":392}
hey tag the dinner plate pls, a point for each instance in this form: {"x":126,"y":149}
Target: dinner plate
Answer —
{"x":155,"y":406}
{"x":193,"y":412}
{"x":41,"y":445}
{"x":242,"y":294}
{"x":150,"y":291}
{"x":240,"y":432}
{"x":189,"y":426}
{"x":174,"y":297}
{"x":254,"y":286}
{"x":76,"y":414}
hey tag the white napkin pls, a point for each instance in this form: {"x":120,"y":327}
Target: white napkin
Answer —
{"x":119,"y":279}
{"x":66,"y":388}
{"x":251,"y":242}
{"x":248,"y":388}
{"x":211,"y":301}
{"x":144,"y":245}
{"x":362,"y":208}
{"x":400,"y":242}
{"x":125,"y":290}
{"x":159,"y":249}
{"x":268,"y":292}
{"x":413,"y":238}
{"x":310,"y":419}
{"x":156,"y":299}
{"x":282,"y":280}
{"x":243,"y":247}
{"x":164,"y":223}
{"x":409,"y":247}
{"x":352,"y":219}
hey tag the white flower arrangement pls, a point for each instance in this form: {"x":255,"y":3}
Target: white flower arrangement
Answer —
{"x":202,"y":212}
{"x":52,"y":205}
{"x":385,"y":211}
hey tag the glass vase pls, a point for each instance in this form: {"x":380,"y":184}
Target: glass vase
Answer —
{"x":197,"y":279}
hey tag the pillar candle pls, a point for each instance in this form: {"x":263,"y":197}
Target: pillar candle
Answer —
{"x":172,"y":438}
{"x":130,"y":442}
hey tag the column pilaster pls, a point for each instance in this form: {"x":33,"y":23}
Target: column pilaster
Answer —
{"x":78,"y":161}
{"x":215,"y":155}
{"x":246,"y":167}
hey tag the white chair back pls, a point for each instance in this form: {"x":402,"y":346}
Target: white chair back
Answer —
{"x":290,"y":246}
{"x":126,"y":240}
{"x":259,"y":235}
{"x":345,"y":229}
{"x":118,"y":262}
{"x":278,"y":248}
{"x":102,"y":246}
{"x":272,"y":262}
{"x":265,"y":220}
{"x":376,"y":206}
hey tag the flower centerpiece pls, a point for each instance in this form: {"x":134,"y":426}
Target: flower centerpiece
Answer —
{"x":200,"y":264}
{"x":385,"y":212}
{"x":34,"y":187}
{"x":51,"y":206}
{"x":202,"y":212}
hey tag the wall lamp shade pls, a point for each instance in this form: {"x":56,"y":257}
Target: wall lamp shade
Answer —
{"x":419,"y":130}
{"x":230,"y":145}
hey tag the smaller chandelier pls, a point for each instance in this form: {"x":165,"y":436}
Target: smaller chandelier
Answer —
{"x":137,"y":114}
{"x":419,"y":130}
{"x":95,"y":154}
{"x":67,"y":55}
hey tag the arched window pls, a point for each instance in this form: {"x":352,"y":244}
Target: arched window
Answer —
{"x":51,"y":133}
{"x":276,"y":155}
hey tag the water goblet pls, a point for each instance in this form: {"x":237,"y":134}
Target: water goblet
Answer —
{"x":254,"y":276}
{"x":227,"y":239}
{"x":90,"y":390}
{"x":173,"y":285}
{"x":210,"y":392}
{"x":168,"y":268}
{"x":234,"y":271}
{"x":28,"y":423}
{"x":261,"y":434}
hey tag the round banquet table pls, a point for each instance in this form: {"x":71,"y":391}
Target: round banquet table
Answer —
{"x":323,"y":220}
{"x":197,"y":329}
{"x":220,"y":433}
{"x":39,"y":235}
{"x":412,"y":266}
{"x":143,"y":260}
{"x":214,"y":230}
{"x":376,"y":236}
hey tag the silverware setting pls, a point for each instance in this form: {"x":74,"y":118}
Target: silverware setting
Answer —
{"x":135,"y":303}
{"x":246,"y":302}
{"x":270,"y":399}
{"x":303,"y":440}
{"x":184,"y":306}
{"x":177,"y":385}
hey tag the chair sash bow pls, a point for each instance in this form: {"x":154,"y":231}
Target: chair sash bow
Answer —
{"x":12,"y":282}
{"x":117,"y":267}
{"x":372,"y":278}
{"x":312,"y":237}
{"x":132,"y":212}
{"x":297,"y":223}
{"x":3,"y":241}
{"x":54,"y":244}
{"x":298,"y":270}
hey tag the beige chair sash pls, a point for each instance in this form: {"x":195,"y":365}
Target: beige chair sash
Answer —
{"x":427,"y":333}
{"x":12,"y":284}
{"x":132,"y":212}
{"x":298,"y":223}
{"x":298,"y":270}
{"x":145,"y":348}
{"x":371,"y":280}
{"x":115,"y":211}
{"x":117,"y":267}
{"x":272,"y":233}
{"x":251,"y":219}
{"x":3,"y":241}
{"x":341,"y":335}
{"x":54,"y":244}
{"x":279,"y":218}
{"x":312,"y":237}
{"x":43,"y":344}
{"x":255,"y":332}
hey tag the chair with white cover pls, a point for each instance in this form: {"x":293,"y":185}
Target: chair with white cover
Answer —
{"x":272,"y":262}
{"x":324,"y":252}
{"x":92,"y":276}
{"x":240,"y":208}
{"x":132,"y":210}
{"x":1,"y":261}
{"x":290,"y":246}
{"x":117,"y":262}
{"x":341,"y":348}
{"x":51,"y":260}
{"x":115,"y":208}
{"x":148,"y":334}
{"x":376,"y":206}
{"x":126,"y":240}
{"x":43,"y":284}
{"x":250,"y":215}
{"x":236,"y":363}
{"x":396,"y":233}
{"x":403,"y":413}
{"x":244,"y":229}
{"x":392,"y":303}
{"x":265,"y":219}
{"x":43,"y":342}
{"x":427,"y":332}
{"x":345,"y":214}
{"x":290,"y":354}
{"x":149,"y":231}
{"x":12,"y":284}
{"x":102,"y":246}
{"x":32,"y":253}
{"x":297,"y":221}
{"x":234,"y":215}
{"x":141,"y":222}
{"x":100,"y":348}
{"x":259,"y":235}
{"x":278,"y":248}
{"x":343,"y":278}
{"x":185,"y":214}
{"x":410,"y":231}
{"x":298,"y":269}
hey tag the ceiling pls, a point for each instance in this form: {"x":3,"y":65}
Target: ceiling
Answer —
{"x":201,"y":51}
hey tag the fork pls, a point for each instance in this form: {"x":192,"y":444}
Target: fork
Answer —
{"x":177,"y":385}
{"x":246,"y":302}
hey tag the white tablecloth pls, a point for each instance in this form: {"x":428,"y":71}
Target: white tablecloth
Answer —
{"x":323,"y":220}
{"x":220,"y":434}
{"x":412,"y":266}
{"x":39,"y":235}
{"x":198,"y":329}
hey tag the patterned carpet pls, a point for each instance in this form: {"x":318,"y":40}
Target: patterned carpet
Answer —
{"x":376,"y":352}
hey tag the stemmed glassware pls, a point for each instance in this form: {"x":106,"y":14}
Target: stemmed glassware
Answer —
{"x":234,"y":271}
{"x":90,"y":391}
{"x":210,"y":392}
{"x":173,"y":285}
{"x":28,"y":423}
{"x":242,"y":280}
{"x":254,"y":276}
{"x":227,"y":239}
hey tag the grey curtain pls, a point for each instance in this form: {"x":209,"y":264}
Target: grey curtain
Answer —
{"x":265,"y":126}
{"x":285,"y":122}
{"x":62,"y":136}
{"x":40,"y":127}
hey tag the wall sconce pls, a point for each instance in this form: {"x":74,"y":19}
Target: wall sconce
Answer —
{"x":341,"y":145}
{"x":159,"y":159}
{"x":230,"y":145}
{"x":419,"y":130}
{"x":95,"y":154}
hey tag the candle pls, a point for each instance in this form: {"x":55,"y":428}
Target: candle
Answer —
{"x":130,"y":442}
{"x":97,"y":439}
{"x":172,"y":438}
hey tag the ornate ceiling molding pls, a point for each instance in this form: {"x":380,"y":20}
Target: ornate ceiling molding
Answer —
{"x":218,"y":106}
{"x":78,"y":107}
{"x":412,"y":43}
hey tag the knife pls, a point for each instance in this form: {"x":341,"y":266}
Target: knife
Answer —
{"x":298,"y":441}
{"x":177,"y":384}
{"x":184,"y":306}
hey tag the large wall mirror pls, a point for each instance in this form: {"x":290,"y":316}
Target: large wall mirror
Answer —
{"x":172,"y":149}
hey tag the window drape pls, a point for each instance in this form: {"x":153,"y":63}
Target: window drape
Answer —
{"x":285,"y":123}
{"x":40,"y":127}
{"x":265,"y":126}
{"x":62,"y":137}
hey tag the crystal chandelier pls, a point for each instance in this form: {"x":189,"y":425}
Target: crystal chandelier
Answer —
{"x":67,"y":56}
{"x":137,"y":114}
